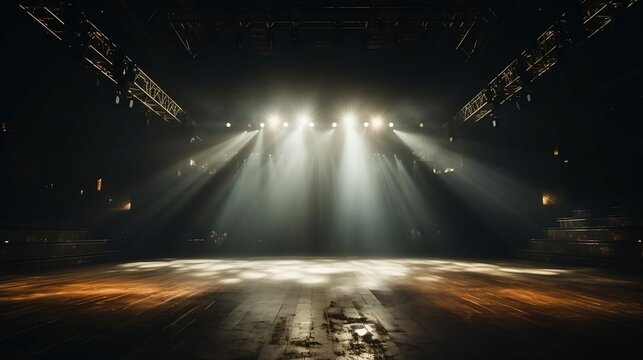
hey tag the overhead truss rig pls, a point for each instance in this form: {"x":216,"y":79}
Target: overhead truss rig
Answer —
{"x":104,"y":56}
{"x":386,"y":24}
{"x":533,"y":63}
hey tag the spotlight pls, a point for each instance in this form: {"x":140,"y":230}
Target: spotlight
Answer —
{"x":303,"y":118}
{"x":365,"y":123}
{"x":348,"y":118}
{"x":421,"y":125}
{"x":228,"y":124}
{"x":273,"y":120}
{"x":285,"y":124}
{"x":377,"y":122}
{"x":262,"y":125}
{"x":334,"y":124}
{"x":311,"y":124}
{"x":391,"y":124}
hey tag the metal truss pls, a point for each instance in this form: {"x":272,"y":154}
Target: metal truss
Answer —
{"x":102,"y":54}
{"x":153,"y":97}
{"x":384,"y":25}
{"x":49,"y":17}
{"x":534,"y":62}
{"x":597,"y":14}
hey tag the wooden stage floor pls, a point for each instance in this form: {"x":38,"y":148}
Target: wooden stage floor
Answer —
{"x":324,"y":308}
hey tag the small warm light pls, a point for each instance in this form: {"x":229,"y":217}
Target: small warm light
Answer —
{"x":82,"y":192}
{"x":421,"y":125}
{"x":448,"y":170}
{"x":127,"y":206}
{"x":311,"y":124}
{"x":192,"y":162}
{"x":556,"y":153}
{"x":285,"y":124}
{"x":493,"y":123}
{"x":262,"y":125}
{"x":549,"y":199}
{"x":366,"y":124}
{"x":566,"y":161}
{"x":228,"y":124}
{"x":334,"y":124}
{"x":99,"y":184}
{"x":451,"y":139}
{"x":391,"y":124}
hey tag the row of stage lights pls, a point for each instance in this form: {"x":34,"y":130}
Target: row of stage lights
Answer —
{"x":274,"y":122}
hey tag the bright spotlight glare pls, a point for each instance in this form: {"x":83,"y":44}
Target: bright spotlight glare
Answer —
{"x":334,"y":124}
{"x":228,"y":124}
{"x":349,"y":118}
{"x":303,"y":118}
{"x":391,"y":124}
{"x":285,"y":124}
{"x":377,"y":122}
{"x":366,"y":124}
{"x":273,"y":120}
{"x":262,"y":125}
{"x":421,"y":125}
{"x":311,"y":124}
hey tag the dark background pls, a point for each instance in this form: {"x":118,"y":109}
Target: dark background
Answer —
{"x":61,"y":126}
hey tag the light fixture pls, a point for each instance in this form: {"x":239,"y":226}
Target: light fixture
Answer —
{"x":391,"y":124}
{"x":365,"y":124}
{"x":311,"y":124}
{"x":348,"y":118}
{"x":421,"y":125}
{"x":228,"y":124}
{"x":334,"y":124}
{"x":303,"y":118}
{"x":273,"y":120}
{"x":262,"y":125}
{"x":285,"y":124}
{"x":377,"y":121}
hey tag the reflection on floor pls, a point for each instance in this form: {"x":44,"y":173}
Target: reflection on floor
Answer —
{"x":321,"y":308}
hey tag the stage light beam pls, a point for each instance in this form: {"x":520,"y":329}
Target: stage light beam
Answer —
{"x":348,"y":118}
{"x":273,"y":120}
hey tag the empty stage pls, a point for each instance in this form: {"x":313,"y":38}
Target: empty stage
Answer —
{"x":346,"y":308}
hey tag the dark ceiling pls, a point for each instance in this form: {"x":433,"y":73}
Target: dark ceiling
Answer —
{"x":236,"y":60}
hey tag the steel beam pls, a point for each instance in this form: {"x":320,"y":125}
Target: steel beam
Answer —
{"x":101,"y":53}
{"x":534,"y":62}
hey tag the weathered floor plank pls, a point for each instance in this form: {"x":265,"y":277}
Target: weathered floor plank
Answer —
{"x":321,"y":308}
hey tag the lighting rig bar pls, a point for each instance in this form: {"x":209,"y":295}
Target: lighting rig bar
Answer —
{"x":102,"y":54}
{"x":387,"y":23}
{"x":533,"y":63}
